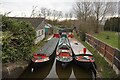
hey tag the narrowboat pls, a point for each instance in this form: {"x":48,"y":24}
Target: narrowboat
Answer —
{"x":46,"y":53}
{"x":63,"y":52}
{"x":82,"y":56}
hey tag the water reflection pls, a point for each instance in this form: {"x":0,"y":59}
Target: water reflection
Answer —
{"x":63,"y":72}
{"x":80,"y":72}
{"x":40,"y":72}
{"x":54,"y":70}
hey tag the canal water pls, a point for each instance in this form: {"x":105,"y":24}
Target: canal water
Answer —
{"x":53,"y":70}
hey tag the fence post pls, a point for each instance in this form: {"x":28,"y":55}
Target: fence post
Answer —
{"x":111,"y":56}
{"x":104,"y":50}
{"x":116,"y":61}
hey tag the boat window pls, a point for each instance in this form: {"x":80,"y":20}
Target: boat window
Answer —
{"x":40,"y":58}
{"x":76,"y":43}
{"x":83,"y":54}
{"x":64,"y":54}
{"x":64,"y":50}
{"x":64,"y":47}
{"x":85,"y":58}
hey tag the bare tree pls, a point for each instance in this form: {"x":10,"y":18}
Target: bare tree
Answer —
{"x":48,"y":13}
{"x":33,"y":11}
{"x":82,"y":10}
{"x":54,"y":12}
{"x":44,"y":12}
{"x":70,"y":15}
{"x":101,"y":10}
{"x":7,"y":13}
{"x":66,"y":15}
{"x":70,"y":20}
{"x":39,"y":14}
{"x":23,"y":14}
{"x":59,"y":15}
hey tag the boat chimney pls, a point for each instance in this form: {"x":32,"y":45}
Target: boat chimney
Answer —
{"x":84,"y":50}
{"x":35,"y":54}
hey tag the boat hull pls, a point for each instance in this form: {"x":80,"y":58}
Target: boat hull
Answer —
{"x":39,"y":64}
{"x":36,"y":65}
{"x":63,"y":64}
{"x":86,"y":65}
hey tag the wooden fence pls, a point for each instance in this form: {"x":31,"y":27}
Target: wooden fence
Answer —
{"x":111,"y":54}
{"x":117,"y":59}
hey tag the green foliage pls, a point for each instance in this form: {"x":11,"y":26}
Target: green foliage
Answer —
{"x":113,"y":38}
{"x":83,"y":36}
{"x":119,"y":40}
{"x":18,"y":39}
{"x":112,"y":24}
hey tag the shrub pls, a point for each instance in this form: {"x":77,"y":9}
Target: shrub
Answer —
{"x":83,"y":36}
{"x":17,"y":40}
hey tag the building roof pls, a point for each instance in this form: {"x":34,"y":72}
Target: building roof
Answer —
{"x":35,"y":22}
{"x":48,"y":26}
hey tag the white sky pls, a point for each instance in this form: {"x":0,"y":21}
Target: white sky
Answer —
{"x":18,"y":7}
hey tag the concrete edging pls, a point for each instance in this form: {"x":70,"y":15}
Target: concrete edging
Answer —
{"x":13,"y":70}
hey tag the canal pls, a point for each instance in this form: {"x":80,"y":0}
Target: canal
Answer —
{"x":53,"y":70}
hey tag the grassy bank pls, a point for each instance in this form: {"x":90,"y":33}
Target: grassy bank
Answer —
{"x":113,"y":38}
{"x":104,"y":69}
{"x":0,"y":37}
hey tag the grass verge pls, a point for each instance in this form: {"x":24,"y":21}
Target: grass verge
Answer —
{"x":104,"y":69}
{"x":113,"y":38}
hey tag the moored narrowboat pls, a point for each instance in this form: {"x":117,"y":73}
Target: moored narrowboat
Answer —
{"x":82,"y":56}
{"x":46,"y":53}
{"x":64,"y":52}
{"x":84,"y":59}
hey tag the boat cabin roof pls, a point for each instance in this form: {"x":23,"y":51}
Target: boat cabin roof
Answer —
{"x":78,"y":48}
{"x":49,"y":47}
{"x":64,"y":41}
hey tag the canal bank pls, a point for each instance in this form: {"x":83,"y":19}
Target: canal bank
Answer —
{"x":54,"y":70}
{"x":103,"y":68}
{"x":14,"y":70}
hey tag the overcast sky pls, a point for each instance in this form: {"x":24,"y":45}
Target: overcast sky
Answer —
{"x":18,"y":7}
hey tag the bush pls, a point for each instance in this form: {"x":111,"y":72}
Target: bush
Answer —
{"x":83,"y":36}
{"x":17,"y":40}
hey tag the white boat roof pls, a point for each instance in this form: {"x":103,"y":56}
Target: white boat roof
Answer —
{"x":77,"y":47}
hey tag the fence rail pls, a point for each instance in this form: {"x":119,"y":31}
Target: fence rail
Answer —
{"x":117,"y":59}
{"x":110,"y":53}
